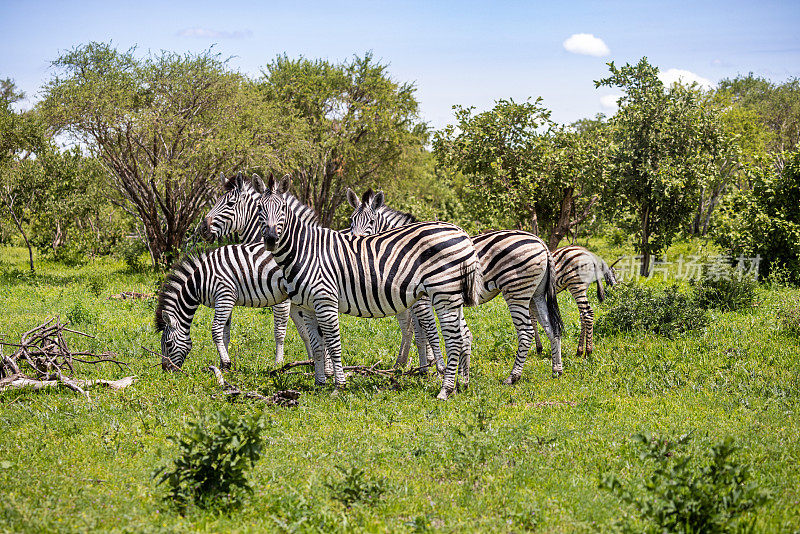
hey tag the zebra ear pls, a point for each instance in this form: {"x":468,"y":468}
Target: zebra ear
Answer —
{"x":377,"y":200}
{"x":258,"y":183}
{"x":270,"y":187}
{"x":285,"y":184}
{"x":352,"y":198}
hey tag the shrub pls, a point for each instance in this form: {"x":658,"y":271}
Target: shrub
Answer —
{"x":355,"y":487}
{"x":667,"y":312}
{"x":80,"y":314}
{"x":213,"y":456}
{"x":684,"y":494}
{"x":764,"y":218}
{"x":96,"y":283}
{"x":726,"y":289}
{"x":131,"y":251}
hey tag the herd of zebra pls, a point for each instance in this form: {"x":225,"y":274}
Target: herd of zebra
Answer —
{"x":387,"y":263}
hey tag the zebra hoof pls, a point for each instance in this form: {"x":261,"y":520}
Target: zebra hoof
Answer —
{"x":539,"y":349}
{"x":224,"y":366}
{"x":511,"y":380}
{"x":319,"y":382}
{"x":557,"y":373}
{"x":443,"y":394}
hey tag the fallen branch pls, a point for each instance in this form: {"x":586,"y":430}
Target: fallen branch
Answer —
{"x":21,"y":381}
{"x":288,"y":398}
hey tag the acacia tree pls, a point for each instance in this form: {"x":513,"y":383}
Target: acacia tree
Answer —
{"x":521,"y":169}
{"x":359,"y":124}
{"x":164,"y":127}
{"x":666,"y":146}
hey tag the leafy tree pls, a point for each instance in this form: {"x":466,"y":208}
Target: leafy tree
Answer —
{"x":763,"y":217}
{"x":22,"y":136}
{"x":777,"y":107}
{"x":666,"y":146}
{"x":359,"y":125}
{"x":520,"y":168}
{"x":163,"y":127}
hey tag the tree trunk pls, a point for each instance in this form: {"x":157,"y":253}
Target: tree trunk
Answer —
{"x":534,"y":221}
{"x":563,"y":224}
{"x":644,"y":246}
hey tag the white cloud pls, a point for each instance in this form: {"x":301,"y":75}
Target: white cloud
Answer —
{"x":609,"y":101}
{"x":686,"y":77}
{"x":586,"y":44}
{"x":207,"y":33}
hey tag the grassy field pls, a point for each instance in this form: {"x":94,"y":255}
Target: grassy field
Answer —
{"x":492,"y":458}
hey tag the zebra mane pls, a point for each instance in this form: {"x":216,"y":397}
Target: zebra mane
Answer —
{"x":304,"y":212}
{"x":232,"y":182}
{"x":391,"y":212}
{"x":166,"y":294}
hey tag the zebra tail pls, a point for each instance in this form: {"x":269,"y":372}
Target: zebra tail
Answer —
{"x":472,"y":281}
{"x":608,"y":274}
{"x":601,"y":292}
{"x":551,"y":301}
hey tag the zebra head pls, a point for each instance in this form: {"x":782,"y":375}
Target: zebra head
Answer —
{"x":272,"y":212}
{"x":366,"y":219}
{"x":175,"y":341}
{"x":234,"y":210}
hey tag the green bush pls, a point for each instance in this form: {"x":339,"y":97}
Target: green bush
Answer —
{"x":355,"y":487}
{"x":725,"y":289}
{"x":684,"y":494}
{"x":632,"y":307}
{"x":132,"y":251}
{"x":80,"y":314}
{"x":764,"y":218}
{"x":96,"y":283}
{"x":213,"y":456}
{"x":787,"y":310}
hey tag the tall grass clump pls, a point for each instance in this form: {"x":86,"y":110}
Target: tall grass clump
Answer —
{"x":686,"y":494}
{"x":726,"y":289}
{"x":214,"y":455}
{"x":636,"y":308}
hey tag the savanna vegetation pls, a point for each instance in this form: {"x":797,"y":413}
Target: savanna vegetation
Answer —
{"x":684,"y":418}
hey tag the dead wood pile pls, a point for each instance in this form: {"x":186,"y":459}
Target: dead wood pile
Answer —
{"x":44,"y":354}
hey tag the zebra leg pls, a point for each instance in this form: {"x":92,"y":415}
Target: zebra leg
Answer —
{"x":450,"y":320}
{"x":586,"y":314}
{"x":423,"y":312}
{"x":280,"y":319}
{"x":521,"y":315}
{"x":300,"y":322}
{"x":539,"y":347}
{"x":466,"y":349}
{"x":317,"y":347}
{"x":220,"y":329}
{"x":538,"y":308}
{"x":327,"y":312}
{"x":405,"y":323}
{"x":589,"y":329}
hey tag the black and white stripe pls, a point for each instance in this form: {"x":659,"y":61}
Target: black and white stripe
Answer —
{"x":235,"y":216}
{"x":576,"y":269}
{"x":328,"y":272}
{"x":514,"y":263}
{"x":233,"y":275}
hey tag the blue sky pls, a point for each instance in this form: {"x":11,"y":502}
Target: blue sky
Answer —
{"x":468,"y":53}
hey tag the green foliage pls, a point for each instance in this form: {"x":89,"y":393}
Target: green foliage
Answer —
{"x":357,"y":125}
{"x":687,"y":495}
{"x":355,"y":487}
{"x":96,"y":283}
{"x":726,"y":290}
{"x":787,"y":311}
{"x":666,"y":147}
{"x":214,"y":455}
{"x":633,"y":307}
{"x":763,"y":218}
{"x":131,"y":251}
{"x":520,"y":169}
{"x":80,"y":314}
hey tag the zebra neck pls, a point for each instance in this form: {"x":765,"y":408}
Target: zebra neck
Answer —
{"x":252,"y":230}
{"x":182,"y":298}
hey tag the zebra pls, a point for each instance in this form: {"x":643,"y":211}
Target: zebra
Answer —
{"x":515,"y":263}
{"x":233,"y":275}
{"x":235,"y":215}
{"x":328,"y":272}
{"x":577,"y":268}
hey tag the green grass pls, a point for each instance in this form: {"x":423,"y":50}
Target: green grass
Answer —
{"x":493,"y":458}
